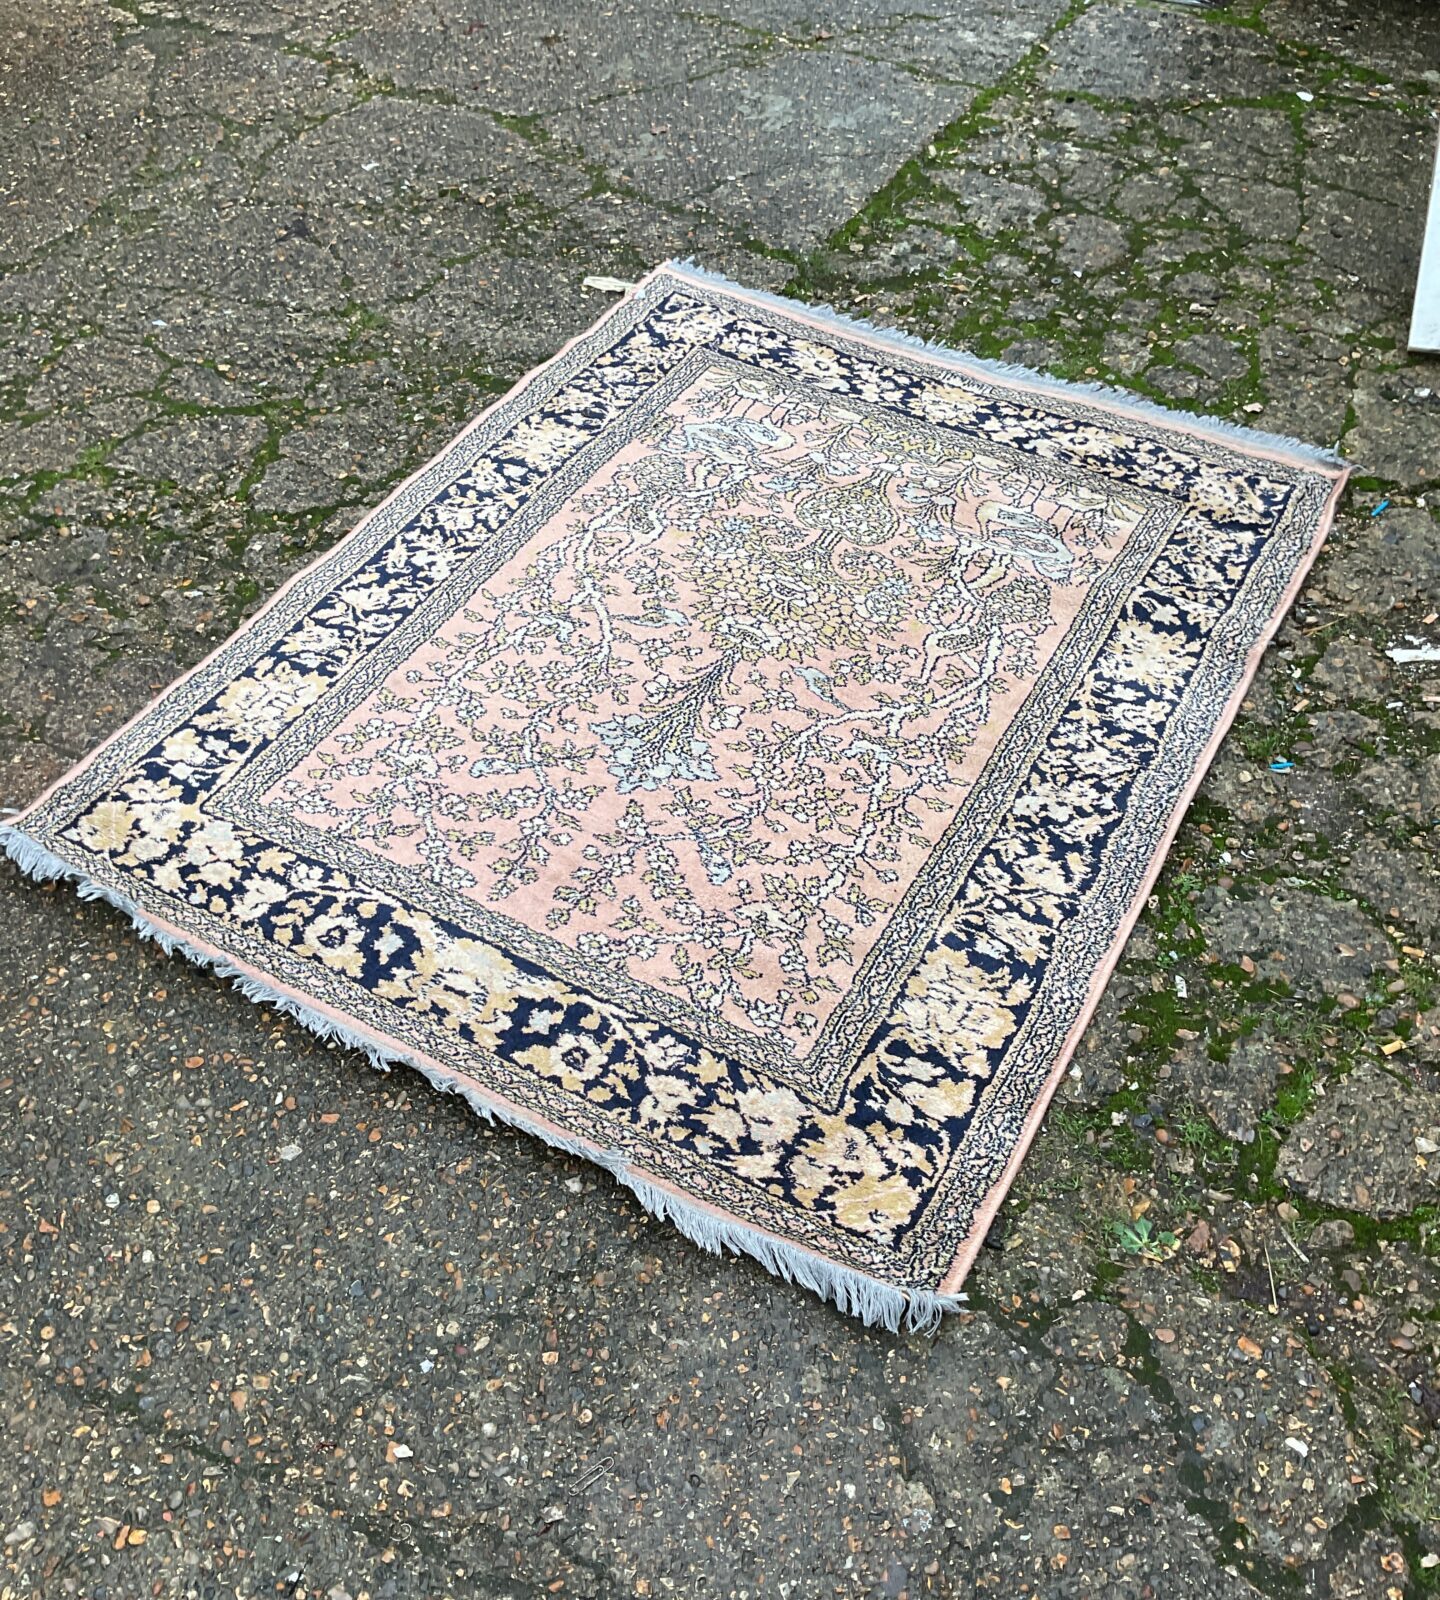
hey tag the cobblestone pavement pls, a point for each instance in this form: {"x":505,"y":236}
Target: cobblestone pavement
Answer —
{"x":272,"y":1323}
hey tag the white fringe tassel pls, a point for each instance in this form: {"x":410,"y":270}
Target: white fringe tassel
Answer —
{"x":1211,"y":427}
{"x":875,"y":1303}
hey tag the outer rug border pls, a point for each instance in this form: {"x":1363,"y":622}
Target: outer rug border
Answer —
{"x":857,"y":1293}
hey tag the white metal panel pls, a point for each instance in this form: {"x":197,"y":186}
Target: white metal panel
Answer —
{"x":1425,"y":324}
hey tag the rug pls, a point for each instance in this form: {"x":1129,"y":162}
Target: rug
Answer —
{"x":738,"y":759}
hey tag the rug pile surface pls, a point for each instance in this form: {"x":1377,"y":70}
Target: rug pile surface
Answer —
{"x":739,"y":758}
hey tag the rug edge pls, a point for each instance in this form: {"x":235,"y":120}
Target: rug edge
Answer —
{"x":871,"y":1300}
{"x":1201,"y":424}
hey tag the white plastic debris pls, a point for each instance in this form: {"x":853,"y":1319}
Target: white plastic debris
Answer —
{"x":606,"y":285}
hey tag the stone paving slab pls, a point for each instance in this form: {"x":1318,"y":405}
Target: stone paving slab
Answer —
{"x":273,"y":1323}
{"x":787,"y":149}
{"x":543,"y":56}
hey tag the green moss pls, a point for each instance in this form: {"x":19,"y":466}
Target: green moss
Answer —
{"x":1194,"y":1132}
{"x":1295,"y":1095}
{"x":1409,"y":1483}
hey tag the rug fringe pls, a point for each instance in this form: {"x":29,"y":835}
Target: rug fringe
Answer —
{"x":1212,"y":427}
{"x":873,"y":1302}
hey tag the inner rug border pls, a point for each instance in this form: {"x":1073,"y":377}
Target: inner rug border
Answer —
{"x":838,"y":1047}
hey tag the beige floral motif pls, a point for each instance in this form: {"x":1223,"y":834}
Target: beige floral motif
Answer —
{"x":107,"y":827}
{"x":875,"y":1206}
{"x":961,"y":1008}
{"x":261,"y":705}
{"x":217,"y":851}
{"x":466,"y":982}
{"x":574,"y":1061}
{"x":927,"y":1091}
{"x":336,"y":940}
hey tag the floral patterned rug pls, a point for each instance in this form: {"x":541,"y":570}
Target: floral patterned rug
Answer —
{"x":738,"y":758}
